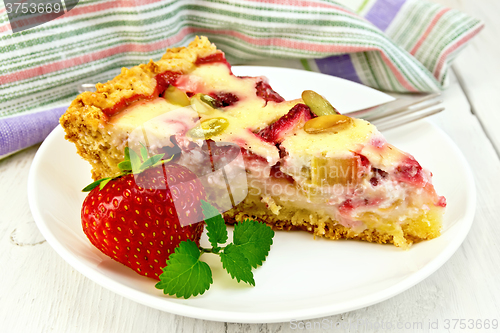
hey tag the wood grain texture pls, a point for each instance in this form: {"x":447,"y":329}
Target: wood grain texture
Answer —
{"x":42,"y":293}
{"x":477,"y":66}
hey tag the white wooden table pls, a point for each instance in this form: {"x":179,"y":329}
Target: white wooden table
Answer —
{"x":40,"y":292}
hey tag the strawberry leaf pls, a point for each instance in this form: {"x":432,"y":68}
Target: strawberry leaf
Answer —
{"x":125,"y":166}
{"x":151,"y":161}
{"x":144,"y":152}
{"x":185,"y":274}
{"x":216,"y":227}
{"x":93,"y":185}
{"x":126,"y":154}
{"x":135,"y":161}
{"x":131,"y":163}
{"x":254,"y":240}
{"x":163,"y":161}
{"x":104,"y":182}
{"x":236,"y":264}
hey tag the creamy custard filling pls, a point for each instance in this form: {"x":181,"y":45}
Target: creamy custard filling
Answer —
{"x":388,"y":200}
{"x":150,"y":122}
{"x":247,"y":116}
{"x":352,"y":176}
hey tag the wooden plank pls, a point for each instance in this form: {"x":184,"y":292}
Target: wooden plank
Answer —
{"x":477,"y":65}
{"x":42,"y":293}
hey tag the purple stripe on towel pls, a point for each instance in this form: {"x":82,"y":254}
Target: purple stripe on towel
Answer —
{"x":340,"y":66}
{"x":383,"y":12}
{"x":19,"y":132}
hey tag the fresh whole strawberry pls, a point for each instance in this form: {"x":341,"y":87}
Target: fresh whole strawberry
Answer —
{"x":133,"y":218}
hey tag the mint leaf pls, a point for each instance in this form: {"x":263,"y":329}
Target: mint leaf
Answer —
{"x":135,"y":161}
{"x":254,"y":240}
{"x":235,"y":263}
{"x":185,"y":274}
{"x":216,"y":227}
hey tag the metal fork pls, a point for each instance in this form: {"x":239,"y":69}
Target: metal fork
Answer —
{"x":405,"y":109}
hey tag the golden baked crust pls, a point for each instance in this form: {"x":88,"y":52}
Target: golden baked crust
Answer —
{"x":84,"y":121}
{"x":423,"y":227}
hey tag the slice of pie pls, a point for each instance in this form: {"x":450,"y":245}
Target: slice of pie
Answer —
{"x":325,"y":173}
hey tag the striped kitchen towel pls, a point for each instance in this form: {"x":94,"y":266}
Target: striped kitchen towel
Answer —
{"x":392,"y":45}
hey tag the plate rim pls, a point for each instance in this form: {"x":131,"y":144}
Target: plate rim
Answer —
{"x":245,"y":317}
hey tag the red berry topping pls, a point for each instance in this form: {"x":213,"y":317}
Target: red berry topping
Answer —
{"x":213,"y":58}
{"x":410,"y":171}
{"x":123,"y":103}
{"x":265,"y":91}
{"x":346,"y":207}
{"x":220,"y":153}
{"x":163,"y":80}
{"x":378,"y":174}
{"x":223,"y":99}
{"x":277,"y":173}
{"x":294,"y":119}
{"x":441,"y":202}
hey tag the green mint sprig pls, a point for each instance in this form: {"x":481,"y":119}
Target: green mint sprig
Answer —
{"x":186,"y":275}
{"x":132,"y":163}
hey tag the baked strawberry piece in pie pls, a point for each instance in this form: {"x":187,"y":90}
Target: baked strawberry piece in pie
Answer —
{"x":304,"y":166}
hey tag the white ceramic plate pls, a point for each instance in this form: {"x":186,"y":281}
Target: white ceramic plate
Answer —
{"x":302,"y":278}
